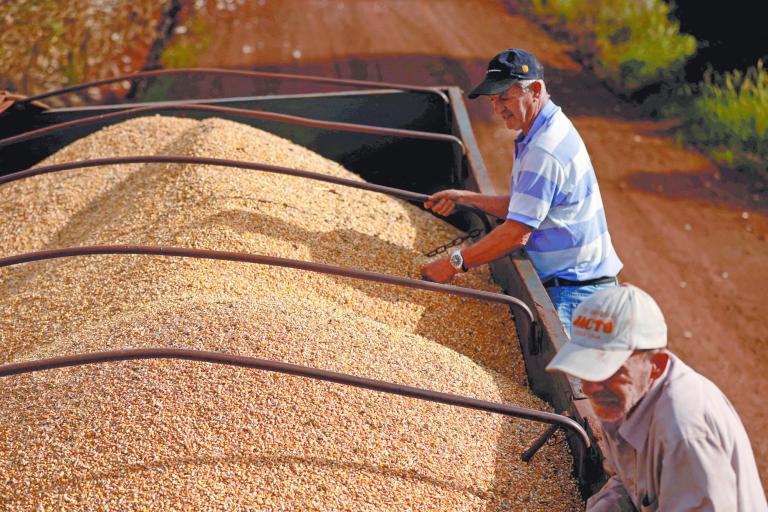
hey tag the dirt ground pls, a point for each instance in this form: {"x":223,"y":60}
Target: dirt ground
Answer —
{"x":690,"y":234}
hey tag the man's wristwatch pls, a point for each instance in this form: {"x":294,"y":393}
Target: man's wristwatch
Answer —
{"x":457,"y":261}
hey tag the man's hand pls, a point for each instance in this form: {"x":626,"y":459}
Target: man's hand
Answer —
{"x":444,"y":202}
{"x":7,"y":99}
{"x":439,"y":271}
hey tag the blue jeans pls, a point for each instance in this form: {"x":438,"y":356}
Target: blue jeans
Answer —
{"x":566,"y":298}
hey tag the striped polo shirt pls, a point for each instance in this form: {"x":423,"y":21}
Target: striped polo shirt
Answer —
{"x":554,"y":191}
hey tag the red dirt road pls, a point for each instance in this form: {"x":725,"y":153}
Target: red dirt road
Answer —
{"x":694,"y":239}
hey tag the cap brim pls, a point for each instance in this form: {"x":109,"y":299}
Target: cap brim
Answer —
{"x":587,"y":363}
{"x":492,"y":87}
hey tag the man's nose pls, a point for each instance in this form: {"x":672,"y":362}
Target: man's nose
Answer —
{"x":497,"y":107}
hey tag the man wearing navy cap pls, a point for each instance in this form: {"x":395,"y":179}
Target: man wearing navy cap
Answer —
{"x":554,"y":208}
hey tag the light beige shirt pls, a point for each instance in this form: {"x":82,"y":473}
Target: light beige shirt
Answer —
{"x":682,"y":448}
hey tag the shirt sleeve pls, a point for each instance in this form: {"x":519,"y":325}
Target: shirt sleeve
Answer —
{"x":612,"y":497}
{"x":697,"y":475}
{"x":535,"y":184}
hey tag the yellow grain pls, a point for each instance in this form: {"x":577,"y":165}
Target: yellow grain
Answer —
{"x":170,"y":435}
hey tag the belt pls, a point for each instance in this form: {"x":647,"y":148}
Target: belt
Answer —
{"x":559,"y":281}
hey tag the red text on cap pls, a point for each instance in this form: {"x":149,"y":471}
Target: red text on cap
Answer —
{"x":593,"y":324}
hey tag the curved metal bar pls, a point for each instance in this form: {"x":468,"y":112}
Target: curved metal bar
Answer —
{"x":321,"y":268}
{"x":302,"y":371}
{"x":540,"y":441}
{"x":275,"y":169}
{"x":254,"y":166}
{"x":260,"y":114}
{"x":239,"y":72}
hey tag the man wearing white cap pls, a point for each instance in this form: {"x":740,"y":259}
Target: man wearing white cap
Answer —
{"x":672,"y":437}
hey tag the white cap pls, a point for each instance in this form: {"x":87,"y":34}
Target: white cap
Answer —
{"x":607,"y":327}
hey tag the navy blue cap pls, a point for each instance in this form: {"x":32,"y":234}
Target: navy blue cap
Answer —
{"x":505,"y":69}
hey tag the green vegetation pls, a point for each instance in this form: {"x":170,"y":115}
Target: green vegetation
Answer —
{"x":184,"y":49}
{"x":727,"y":114}
{"x":630,"y":44}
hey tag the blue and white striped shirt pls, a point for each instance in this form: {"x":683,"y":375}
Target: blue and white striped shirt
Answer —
{"x":554,"y":190}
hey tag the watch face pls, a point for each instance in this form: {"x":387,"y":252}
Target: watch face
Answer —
{"x":456,"y":260}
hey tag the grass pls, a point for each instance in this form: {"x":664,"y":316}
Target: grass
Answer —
{"x":727,"y":114}
{"x":634,"y":44}
{"x":184,"y":50}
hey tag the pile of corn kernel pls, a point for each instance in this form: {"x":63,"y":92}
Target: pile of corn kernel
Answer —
{"x":179,"y":435}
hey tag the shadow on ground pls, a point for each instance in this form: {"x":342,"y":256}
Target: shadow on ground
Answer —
{"x":724,"y":188}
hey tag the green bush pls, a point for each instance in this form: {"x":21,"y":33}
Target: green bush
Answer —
{"x":728,"y":115}
{"x":184,"y":50}
{"x":634,"y":43}
{"x":630,"y":43}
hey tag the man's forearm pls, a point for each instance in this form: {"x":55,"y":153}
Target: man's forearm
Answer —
{"x":495,"y":205}
{"x":506,"y":238}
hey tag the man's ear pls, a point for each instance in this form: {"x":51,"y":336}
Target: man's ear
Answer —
{"x":659,"y":362}
{"x":535,"y":87}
